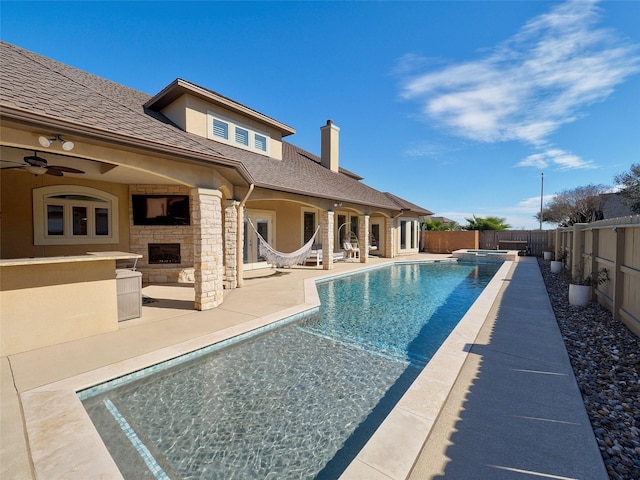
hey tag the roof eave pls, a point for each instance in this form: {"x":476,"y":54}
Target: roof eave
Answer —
{"x":68,"y":127}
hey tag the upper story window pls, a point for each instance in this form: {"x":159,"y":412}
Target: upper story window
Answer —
{"x":242,"y":136}
{"x":260,"y":142}
{"x":73,"y":215}
{"x":220,"y":129}
{"x":237,"y":134}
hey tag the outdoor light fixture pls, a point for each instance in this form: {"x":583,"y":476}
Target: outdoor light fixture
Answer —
{"x":46,"y":142}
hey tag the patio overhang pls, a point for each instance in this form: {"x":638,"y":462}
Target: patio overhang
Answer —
{"x":99,"y":146}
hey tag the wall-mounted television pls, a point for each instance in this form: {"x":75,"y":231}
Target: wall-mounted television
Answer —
{"x":160,"y":209}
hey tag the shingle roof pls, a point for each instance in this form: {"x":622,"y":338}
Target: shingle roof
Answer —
{"x":613,"y":206}
{"x":40,"y":86}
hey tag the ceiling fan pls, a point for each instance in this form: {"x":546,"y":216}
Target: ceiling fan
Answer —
{"x":39,"y":166}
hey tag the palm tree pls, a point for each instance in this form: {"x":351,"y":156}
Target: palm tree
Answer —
{"x":488,"y":223}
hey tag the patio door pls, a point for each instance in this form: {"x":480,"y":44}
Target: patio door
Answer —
{"x":263,"y":223}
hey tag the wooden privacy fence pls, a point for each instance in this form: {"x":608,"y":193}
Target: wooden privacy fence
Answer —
{"x":448,"y":241}
{"x":614,"y":245}
{"x":537,"y":241}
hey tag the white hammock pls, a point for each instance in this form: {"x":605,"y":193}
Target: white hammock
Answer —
{"x":280,"y":259}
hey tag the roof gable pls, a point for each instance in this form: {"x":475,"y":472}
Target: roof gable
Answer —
{"x":180,"y":87}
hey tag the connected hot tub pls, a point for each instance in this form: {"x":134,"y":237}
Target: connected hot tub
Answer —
{"x":487,"y":255}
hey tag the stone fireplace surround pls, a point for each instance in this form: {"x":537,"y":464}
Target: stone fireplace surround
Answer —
{"x":140,"y":236}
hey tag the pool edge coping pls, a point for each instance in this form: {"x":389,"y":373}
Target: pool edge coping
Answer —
{"x":57,"y":425}
{"x":393,"y":449}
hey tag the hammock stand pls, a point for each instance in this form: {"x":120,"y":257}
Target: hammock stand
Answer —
{"x":281,"y":259}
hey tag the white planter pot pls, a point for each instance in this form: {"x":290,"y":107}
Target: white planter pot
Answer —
{"x":556,"y":266}
{"x":579,"y":295}
{"x":546,"y":255}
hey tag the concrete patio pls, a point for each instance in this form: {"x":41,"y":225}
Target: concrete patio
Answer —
{"x":514,"y":411}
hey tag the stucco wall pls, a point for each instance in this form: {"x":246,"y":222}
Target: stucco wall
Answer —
{"x":190,"y":113}
{"x":16,"y":225}
{"x":47,"y":304}
{"x":288,"y":222}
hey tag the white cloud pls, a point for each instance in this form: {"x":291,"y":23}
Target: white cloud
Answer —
{"x":555,"y":157}
{"x":525,"y":89}
{"x":427,"y":150}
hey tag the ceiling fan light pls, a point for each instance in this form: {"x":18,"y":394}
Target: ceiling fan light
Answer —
{"x":44,"y":141}
{"x":36,"y":170}
{"x":67,"y":145}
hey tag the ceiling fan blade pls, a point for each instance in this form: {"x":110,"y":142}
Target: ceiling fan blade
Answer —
{"x":17,"y":167}
{"x":12,"y":161}
{"x":65,"y":169}
{"x":35,"y":161}
{"x":54,"y":172}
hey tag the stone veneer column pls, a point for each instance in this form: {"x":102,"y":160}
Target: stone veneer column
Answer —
{"x":327,"y":240}
{"x":363,"y":235}
{"x":206,"y":214}
{"x":240,"y":246}
{"x":230,"y":244}
{"x":389,"y":238}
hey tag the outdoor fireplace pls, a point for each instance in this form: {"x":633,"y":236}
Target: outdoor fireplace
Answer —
{"x":164,"y":253}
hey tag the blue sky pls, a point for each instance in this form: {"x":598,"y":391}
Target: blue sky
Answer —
{"x":456,"y":106}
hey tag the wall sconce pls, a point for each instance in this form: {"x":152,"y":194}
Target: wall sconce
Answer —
{"x":46,"y":142}
{"x":337,"y":205}
{"x":615,"y":229}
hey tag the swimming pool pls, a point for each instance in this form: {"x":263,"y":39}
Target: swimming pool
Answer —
{"x":299,"y":401}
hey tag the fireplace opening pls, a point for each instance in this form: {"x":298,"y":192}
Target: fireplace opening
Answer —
{"x":164,"y":253}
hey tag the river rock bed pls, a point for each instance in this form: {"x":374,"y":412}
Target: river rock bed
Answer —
{"x":605,"y":356}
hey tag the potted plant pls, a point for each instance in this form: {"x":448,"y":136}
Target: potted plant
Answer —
{"x":556,"y":265}
{"x":580,"y":288}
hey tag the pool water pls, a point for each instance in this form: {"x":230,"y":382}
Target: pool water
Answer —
{"x":299,"y":401}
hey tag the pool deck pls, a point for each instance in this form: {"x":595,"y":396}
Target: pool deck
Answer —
{"x":507,"y":407}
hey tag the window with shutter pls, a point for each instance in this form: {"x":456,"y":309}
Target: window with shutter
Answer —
{"x":232,"y":132}
{"x":220,"y":129}
{"x":242,"y":136}
{"x":261,"y":142}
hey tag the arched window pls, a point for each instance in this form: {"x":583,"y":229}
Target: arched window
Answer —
{"x":74,"y":215}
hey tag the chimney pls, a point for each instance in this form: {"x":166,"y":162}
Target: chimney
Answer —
{"x":330,"y":138}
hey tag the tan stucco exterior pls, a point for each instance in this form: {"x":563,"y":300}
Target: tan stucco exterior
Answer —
{"x":78,"y":298}
{"x":49,"y":303}
{"x":16,"y":204}
{"x":192,"y":114}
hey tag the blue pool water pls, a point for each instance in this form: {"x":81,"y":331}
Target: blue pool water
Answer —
{"x":298,"y":401}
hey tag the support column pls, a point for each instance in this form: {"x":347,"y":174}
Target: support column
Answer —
{"x":390,"y":244}
{"x":363,"y":235}
{"x":327,"y":240}
{"x":231,"y":232}
{"x":240,"y":246}
{"x":206,"y":212}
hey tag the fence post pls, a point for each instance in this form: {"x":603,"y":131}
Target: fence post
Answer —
{"x":577,"y":249}
{"x":618,"y":274}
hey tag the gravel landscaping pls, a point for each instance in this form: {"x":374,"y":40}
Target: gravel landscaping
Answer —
{"x":605,"y":356}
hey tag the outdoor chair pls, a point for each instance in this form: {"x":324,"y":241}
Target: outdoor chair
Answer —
{"x":351,"y":251}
